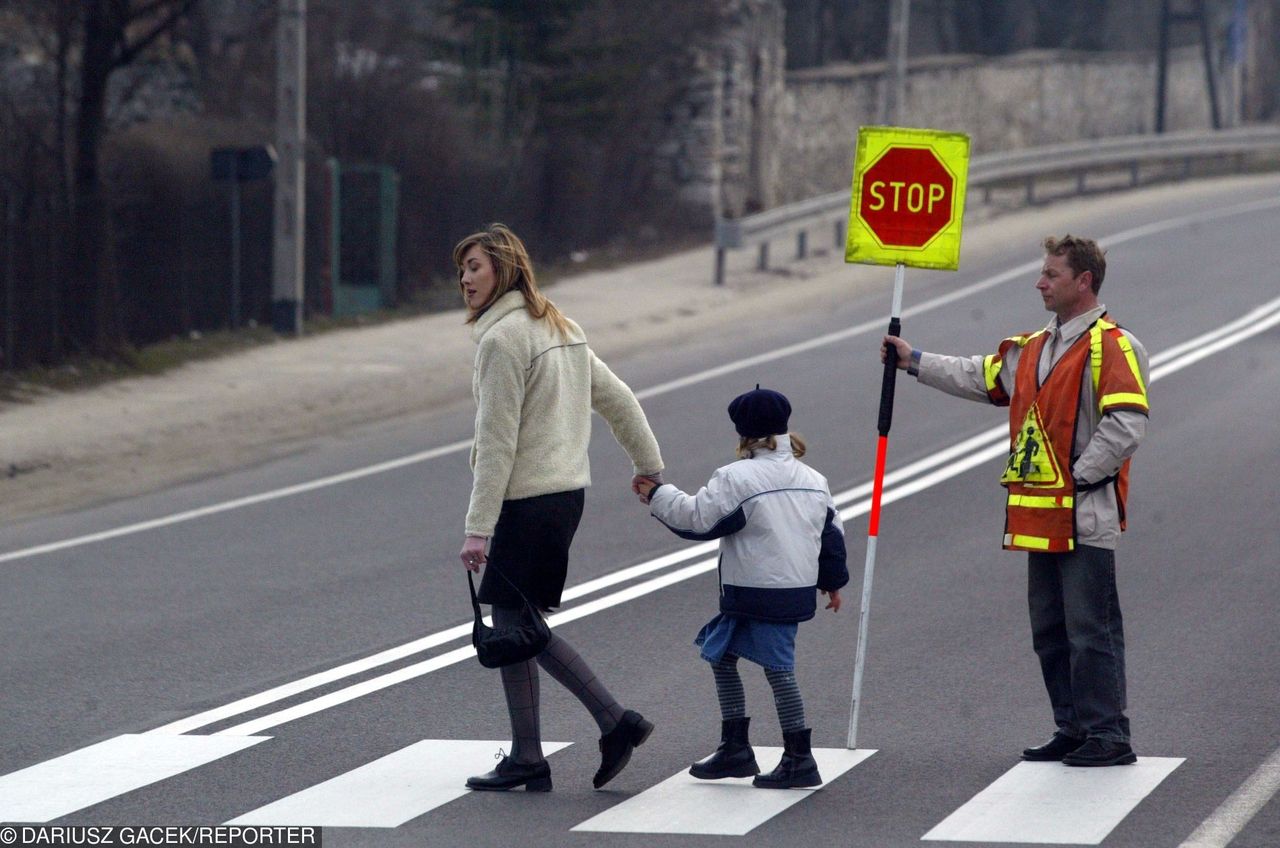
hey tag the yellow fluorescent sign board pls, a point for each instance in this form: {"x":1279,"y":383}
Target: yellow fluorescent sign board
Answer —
{"x":907,"y":204}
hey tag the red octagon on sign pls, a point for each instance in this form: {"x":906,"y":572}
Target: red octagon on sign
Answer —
{"x":906,"y":197}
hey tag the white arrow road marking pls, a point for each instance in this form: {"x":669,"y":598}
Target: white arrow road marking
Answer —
{"x":729,"y":807}
{"x":112,"y":767}
{"x":390,"y":790}
{"x":1049,"y":803}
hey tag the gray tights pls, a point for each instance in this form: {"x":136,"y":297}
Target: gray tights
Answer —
{"x":570,"y":670}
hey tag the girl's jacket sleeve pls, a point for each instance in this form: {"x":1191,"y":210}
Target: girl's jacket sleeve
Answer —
{"x":716,"y":511}
{"x":833,"y":571}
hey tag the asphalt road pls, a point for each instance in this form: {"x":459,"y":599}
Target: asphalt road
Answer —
{"x":134,"y":633}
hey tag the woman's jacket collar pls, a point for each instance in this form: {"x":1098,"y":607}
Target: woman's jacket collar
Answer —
{"x":503,"y":306}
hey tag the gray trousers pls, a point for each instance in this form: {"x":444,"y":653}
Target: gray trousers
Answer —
{"x":1078,"y":634}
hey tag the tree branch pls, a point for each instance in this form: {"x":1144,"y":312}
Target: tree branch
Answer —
{"x":180,"y":8}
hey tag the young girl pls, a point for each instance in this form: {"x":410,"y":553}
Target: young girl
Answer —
{"x":780,"y":539}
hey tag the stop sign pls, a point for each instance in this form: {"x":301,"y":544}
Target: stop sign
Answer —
{"x":906,"y":197}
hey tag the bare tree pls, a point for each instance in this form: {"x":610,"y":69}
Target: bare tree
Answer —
{"x":108,"y":35}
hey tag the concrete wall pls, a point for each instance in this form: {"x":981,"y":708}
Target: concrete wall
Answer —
{"x":1024,"y":100}
{"x":748,"y":135}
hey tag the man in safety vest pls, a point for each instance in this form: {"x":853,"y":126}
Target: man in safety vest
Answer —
{"x":1077,"y":399}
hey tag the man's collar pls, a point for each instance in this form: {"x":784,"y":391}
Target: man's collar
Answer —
{"x":1077,"y":325}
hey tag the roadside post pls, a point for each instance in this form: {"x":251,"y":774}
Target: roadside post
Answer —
{"x":237,"y":165}
{"x":906,"y":208}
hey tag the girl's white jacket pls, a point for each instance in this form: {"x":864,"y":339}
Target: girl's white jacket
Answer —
{"x":779,"y":530}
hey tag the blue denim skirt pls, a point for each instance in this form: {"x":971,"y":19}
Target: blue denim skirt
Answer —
{"x":771,"y":644}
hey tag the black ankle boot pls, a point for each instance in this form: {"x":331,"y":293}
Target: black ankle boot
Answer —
{"x":534,"y":777}
{"x":797,"y":768}
{"x":734,"y":757}
{"x":617,"y":744}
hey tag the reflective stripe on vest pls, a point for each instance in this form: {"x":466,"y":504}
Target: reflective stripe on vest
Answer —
{"x":1043,"y":501}
{"x":1020,"y":541}
{"x":1129,"y":400}
{"x":993,"y":365}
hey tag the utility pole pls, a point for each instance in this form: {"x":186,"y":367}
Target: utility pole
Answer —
{"x":290,"y":199}
{"x":1169,"y":17}
{"x":893,"y":94}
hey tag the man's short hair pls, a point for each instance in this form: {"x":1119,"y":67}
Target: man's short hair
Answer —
{"x":1082,"y":255}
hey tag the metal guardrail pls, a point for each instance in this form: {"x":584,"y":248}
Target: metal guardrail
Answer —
{"x":993,"y":170}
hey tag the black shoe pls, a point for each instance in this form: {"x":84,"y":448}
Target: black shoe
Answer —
{"x":1053,"y":750}
{"x":734,"y":757}
{"x":797,"y":769}
{"x":617,"y":744}
{"x":534,"y":777}
{"x":1101,"y":752}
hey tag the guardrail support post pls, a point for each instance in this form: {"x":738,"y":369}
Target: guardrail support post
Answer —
{"x":1031,"y":190}
{"x":802,"y":244}
{"x":1080,"y":181}
{"x":1133,"y":173}
{"x":840,"y":224}
{"x":719,"y":279}
{"x":762,"y":264}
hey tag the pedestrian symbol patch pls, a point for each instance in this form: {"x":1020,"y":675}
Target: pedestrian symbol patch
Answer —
{"x":1032,"y":460}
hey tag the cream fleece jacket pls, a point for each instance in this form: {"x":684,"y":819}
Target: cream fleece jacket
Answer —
{"x":534,"y":393}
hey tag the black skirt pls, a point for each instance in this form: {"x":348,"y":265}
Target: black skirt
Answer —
{"x":530,"y":548}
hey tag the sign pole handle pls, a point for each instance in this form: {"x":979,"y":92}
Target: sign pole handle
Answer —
{"x":887,"y":385}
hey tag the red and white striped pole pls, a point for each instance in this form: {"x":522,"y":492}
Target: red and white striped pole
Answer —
{"x":887,"y":385}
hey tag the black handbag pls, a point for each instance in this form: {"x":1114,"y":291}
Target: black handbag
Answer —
{"x":499,"y":646}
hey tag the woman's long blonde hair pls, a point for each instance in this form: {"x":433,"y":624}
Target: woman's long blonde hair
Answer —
{"x":512,"y":269}
{"x":748,"y":445}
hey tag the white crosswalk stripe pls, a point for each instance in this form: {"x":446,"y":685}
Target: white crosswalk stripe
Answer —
{"x":729,"y":807}
{"x":390,"y":790}
{"x":91,"y":775}
{"x":1049,"y":803}
{"x":1037,"y":803}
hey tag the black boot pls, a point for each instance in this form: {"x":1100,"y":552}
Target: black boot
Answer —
{"x":797,"y":768}
{"x":734,"y":757}
{"x":617,"y":744}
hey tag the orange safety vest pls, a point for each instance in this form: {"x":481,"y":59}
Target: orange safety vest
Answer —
{"x":1040,"y":511}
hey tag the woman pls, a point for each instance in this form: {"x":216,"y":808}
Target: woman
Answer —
{"x":535,"y":384}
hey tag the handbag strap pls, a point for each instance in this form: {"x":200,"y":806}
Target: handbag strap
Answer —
{"x":475,"y":600}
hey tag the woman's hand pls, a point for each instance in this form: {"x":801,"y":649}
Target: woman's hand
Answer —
{"x":833,"y":603}
{"x":472,"y":553}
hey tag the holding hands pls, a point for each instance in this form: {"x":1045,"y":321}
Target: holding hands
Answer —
{"x":644,"y":484}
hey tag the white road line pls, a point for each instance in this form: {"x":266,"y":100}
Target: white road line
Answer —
{"x":390,"y":790}
{"x":967,"y":454}
{"x":729,"y":807}
{"x":1049,"y":803}
{"x":1233,"y":814}
{"x":250,"y":500}
{"x":692,"y":379}
{"x":60,"y":786}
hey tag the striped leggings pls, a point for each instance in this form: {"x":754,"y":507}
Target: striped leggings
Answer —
{"x":733,"y":699}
